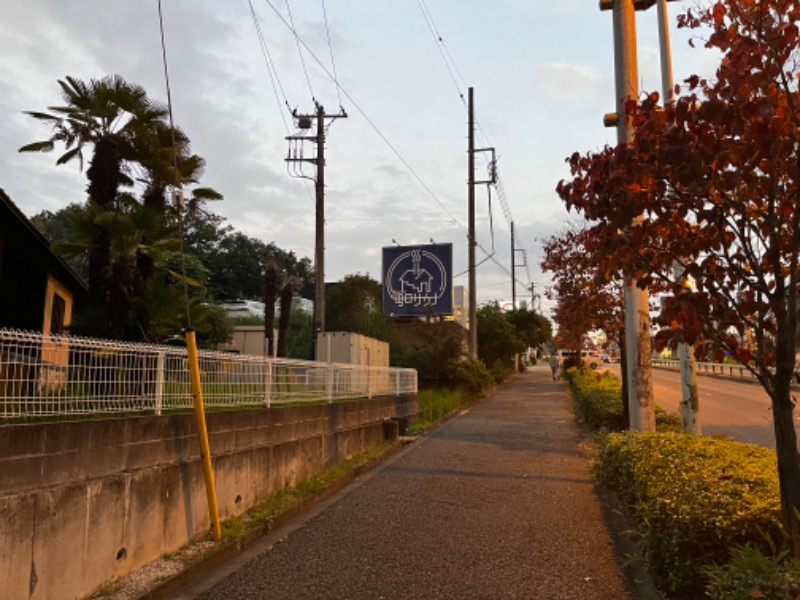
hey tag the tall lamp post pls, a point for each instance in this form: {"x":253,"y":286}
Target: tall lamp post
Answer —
{"x":638,"y":363}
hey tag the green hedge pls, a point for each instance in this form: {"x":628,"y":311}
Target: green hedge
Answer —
{"x":597,"y":398}
{"x":693,"y":500}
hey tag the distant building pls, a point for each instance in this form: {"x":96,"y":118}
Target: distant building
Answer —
{"x":461,"y":306}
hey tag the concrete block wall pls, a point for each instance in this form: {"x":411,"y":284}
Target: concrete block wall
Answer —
{"x":85,"y":502}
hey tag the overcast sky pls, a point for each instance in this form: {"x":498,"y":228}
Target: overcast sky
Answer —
{"x":542,"y":73}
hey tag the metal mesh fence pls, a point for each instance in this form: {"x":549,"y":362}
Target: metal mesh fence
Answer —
{"x":48,"y":375}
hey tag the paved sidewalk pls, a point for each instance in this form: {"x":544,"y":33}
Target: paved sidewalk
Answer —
{"x":498,"y":503}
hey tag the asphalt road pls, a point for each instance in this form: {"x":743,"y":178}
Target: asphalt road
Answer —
{"x":497,"y":503}
{"x":738,"y":409}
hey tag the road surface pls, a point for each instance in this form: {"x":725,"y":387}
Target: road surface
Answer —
{"x":738,"y":409}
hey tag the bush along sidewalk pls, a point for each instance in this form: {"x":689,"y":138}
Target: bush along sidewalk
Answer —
{"x":704,"y":510}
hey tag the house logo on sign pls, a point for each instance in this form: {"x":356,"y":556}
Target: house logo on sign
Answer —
{"x":417,"y":279}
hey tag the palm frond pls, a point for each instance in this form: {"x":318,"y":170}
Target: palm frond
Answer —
{"x":44,"y":146}
{"x":42,"y":116}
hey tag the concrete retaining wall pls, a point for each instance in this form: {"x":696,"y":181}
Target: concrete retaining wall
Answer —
{"x":82,"y":503}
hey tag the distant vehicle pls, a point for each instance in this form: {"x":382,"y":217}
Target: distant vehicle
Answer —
{"x":253,"y":308}
{"x":243,"y":308}
{"x":605,"y":358}
{"x":588,"y":360}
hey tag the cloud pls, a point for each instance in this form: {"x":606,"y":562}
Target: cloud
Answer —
{"x":564,"y":78}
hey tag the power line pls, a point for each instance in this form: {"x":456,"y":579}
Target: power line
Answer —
{"x":442,"y":48}
{"x":452,"y":68}
{"x":273,"y":72}
{"x":377,"y":130}
{"x":299,"y":51}
{"x":330,"y":46}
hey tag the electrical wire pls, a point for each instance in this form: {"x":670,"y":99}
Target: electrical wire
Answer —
{"x":275,"y":80}
{"x":330,"y":47}
{"x":273,"y":72}
{"x":177,"y":182}
{"x":376,"y":129}
{"x":452,"y":68}
{"x":299,"y":51}
{"x":442,"y":48}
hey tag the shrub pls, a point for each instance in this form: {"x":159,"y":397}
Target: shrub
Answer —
{"x":597,"y":399}
{"x":753,"y":574}
{"x":692,"y":500}
{"x":501,"y":371}
{"x":472,"y":376}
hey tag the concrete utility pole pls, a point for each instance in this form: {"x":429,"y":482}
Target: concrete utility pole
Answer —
{"x":473,"y":296}
{"x":472,"y":240}
{"x":296,"y":158}
{"x":513,"y":269}
{"x":690,"y":401}
{"x":638,"y":365}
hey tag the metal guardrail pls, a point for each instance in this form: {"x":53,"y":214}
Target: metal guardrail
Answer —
{"x":48,"y":375}
{"x":727,"y":370}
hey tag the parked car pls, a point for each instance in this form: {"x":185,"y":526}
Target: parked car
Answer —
{"x":244,"y":308}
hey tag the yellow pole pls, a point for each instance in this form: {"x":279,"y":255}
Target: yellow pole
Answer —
{"x":202,"y":433}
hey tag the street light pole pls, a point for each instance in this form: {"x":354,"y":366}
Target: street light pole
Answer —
{"x":690,"y":400}
{"x":638,"y":365}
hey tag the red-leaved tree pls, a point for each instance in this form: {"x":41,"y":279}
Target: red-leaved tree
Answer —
{"x":710,"y":183}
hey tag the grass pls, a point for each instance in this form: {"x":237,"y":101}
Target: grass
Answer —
{"x":438,"y":403}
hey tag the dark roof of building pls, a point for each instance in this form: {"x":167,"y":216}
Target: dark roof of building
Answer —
{"x":59,"y":266}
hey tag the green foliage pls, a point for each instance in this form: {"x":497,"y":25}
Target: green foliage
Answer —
{"x":497,"y":338}
{"x":752,"y":573}
{"x":355,"y":304}
{"x":437,"y":403}
{"x":501,"y":371}
{"x":213,"y":326}
{"x":692,"y":499}
{"x":298,"y":339}
{"x":434,"y":349}
{"x":597,"y":398}
{"x":532,"y":328}
{"x":237,"y":262}
{"x":472,"y":376}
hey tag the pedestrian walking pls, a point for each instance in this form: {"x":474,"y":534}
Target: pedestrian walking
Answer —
{"x":554,"y":365}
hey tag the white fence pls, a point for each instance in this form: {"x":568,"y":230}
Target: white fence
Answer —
{"x":46,"y":375}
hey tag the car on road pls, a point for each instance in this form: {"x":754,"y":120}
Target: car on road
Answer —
{"x":593,"y":362}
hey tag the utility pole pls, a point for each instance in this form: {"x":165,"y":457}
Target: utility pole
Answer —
{"x":473,"y":301}
{"x":690,"y":400}
{"x":295,"y":162}
{"x":513,"y":269}
{"x":471,"y":239}
{"x":638,"y":365}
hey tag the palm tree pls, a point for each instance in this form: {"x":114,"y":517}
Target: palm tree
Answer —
{"x":104,"y":113}
{"x":133,"y":231}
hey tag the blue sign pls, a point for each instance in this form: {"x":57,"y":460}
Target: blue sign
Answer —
{"x":418,"y":280}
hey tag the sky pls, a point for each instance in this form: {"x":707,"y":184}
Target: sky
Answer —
{"x":396,"y":168}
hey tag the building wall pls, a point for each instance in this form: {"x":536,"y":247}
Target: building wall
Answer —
{"x":352,"y":349}
{"x":85,"y":502}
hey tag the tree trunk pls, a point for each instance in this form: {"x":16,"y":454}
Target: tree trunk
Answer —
{"x":104,"y":178}
{"x":287,"y":291}
{"x":788,"y":465}
{"x":104,"y":173}
{"x":270,"y":294}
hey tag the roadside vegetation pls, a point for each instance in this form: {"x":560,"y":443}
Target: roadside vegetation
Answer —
{"x":705,"y":511}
